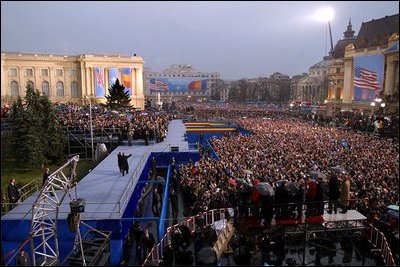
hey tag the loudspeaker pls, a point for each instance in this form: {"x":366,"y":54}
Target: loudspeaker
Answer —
{"x":174,"y":148}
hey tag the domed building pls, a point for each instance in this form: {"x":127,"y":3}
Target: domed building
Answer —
{"x":336,"y":68}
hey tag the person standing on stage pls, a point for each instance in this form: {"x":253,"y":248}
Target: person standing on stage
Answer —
{"x":119,"y":156}
{"x":311,"y":193}
{"x":333,"y":193}
{"x":345,"y":193}
{"x":13,"y":193}
{"x":124,"y":163}
{"x":320,"y":197}
{"x":46,"y":175}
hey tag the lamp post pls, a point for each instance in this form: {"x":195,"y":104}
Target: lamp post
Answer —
{"x":383,"y":105}
{"x":326,"y":15}
{"x":91,"y":124}
{"x":373,"y":107}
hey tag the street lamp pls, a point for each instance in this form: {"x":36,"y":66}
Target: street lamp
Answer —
{"x":91,"y":124}
{"x":373,"y":107}
{"x":383,"y":105}
{"x":326,"y":15}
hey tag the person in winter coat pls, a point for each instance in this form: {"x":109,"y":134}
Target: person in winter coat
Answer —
{"x":345,"y":194}
{"x":124,"y":163}
{"x":333,"y":193}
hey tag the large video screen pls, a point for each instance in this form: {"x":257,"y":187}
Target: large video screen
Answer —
{"x":174,"y":85}
{"x":368,"y":77}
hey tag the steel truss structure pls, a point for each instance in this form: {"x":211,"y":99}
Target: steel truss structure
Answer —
{"x":43,"y":229}
{"x":330,"y":226}
{"x":305,"y":234}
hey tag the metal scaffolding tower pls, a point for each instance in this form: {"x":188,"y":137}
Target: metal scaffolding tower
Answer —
{"x":43,"y":229}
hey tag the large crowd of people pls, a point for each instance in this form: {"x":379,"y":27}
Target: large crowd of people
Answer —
{"x":307,"y":159}
{"x":359,"y":170}
{"x":126,"y":125}
{"x":288,"y":150}
{"x":352,"y":119}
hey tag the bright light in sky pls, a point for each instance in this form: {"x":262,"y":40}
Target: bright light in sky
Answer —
{"x":324,"y":14}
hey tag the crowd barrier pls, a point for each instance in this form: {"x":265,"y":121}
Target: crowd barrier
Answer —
{"x":378,"y":240}
{"x":206,"y":218}
{"x":375,"y":237}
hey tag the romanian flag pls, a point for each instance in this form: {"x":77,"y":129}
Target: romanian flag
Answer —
{"x":199,"y":85}
{"x":126,"y":79}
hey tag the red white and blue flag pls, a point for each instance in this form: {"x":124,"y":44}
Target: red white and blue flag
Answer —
{"x":99,"y":81}
{"x":368,"y":77}
{"x":158,"y":85}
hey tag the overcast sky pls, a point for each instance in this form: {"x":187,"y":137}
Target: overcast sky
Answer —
{"x":237,"y":39}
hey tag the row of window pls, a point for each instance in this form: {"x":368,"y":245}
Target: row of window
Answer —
{"x":180,"y":75}
{"x":180,"y":93}
{"x":46,"y":88}
{"x":13,"y":72}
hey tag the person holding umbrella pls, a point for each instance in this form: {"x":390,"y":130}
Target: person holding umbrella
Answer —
{"x":267,"y":200}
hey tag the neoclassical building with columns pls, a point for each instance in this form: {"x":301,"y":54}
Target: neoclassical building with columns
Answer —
{"x":69,"y":78}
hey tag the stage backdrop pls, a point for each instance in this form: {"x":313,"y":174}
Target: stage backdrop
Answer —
{"x":180,"y":84}
{"x":99,"y":82}
{"x":368,"y":77}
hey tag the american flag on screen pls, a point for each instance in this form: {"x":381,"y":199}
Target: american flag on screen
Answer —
{"x":366,"y":79}
{"x":158,"y":85}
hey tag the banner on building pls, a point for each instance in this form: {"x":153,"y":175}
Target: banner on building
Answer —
{"x":368,"y":77}
{"x":177,"y":85}
{"x":99,"y":82}
{"x":112,"y":76}
{"x":126,"y":80}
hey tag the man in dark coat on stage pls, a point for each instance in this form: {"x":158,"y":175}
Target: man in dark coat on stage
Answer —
{"x":124,"y":163}
{"x":13,"y":193}
{"x":46,"y":175}
{"x":333,"y":193}
{"x":119,"y":161}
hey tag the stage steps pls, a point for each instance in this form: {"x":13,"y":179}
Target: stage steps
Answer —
{"x":223,"y":239}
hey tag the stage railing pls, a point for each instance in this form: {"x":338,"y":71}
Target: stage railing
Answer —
{"x":132,"y":182}
{"x":378,"y":240}
{"x":207,"y":219}
{"x":375,"y":237}
{"x":25,"y":192}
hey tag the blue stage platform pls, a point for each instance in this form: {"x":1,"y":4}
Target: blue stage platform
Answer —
{"x":111,"y":198}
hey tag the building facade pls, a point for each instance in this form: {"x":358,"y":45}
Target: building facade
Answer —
{"x":179,"y":82}
{"x":313,"y":88}
{"x":336,"y":68}
{"x":374,"y":51}
{"x":71,"y":78}
{"x":295,"y":89}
